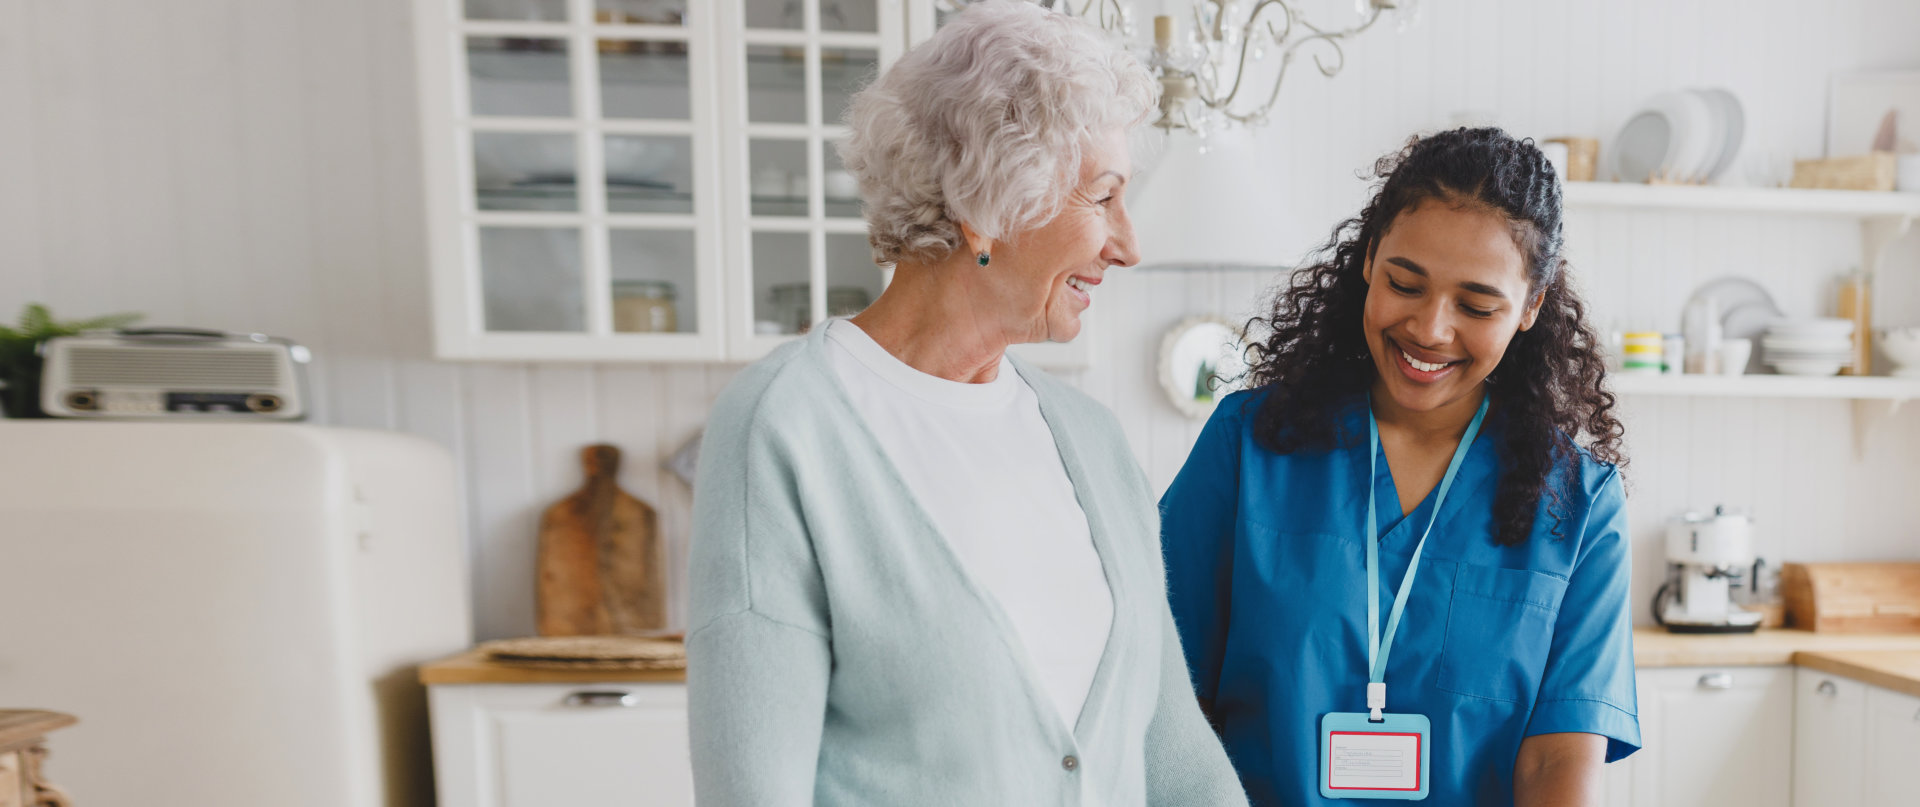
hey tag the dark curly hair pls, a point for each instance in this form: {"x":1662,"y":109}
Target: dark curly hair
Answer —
{"x":1548,"y":388}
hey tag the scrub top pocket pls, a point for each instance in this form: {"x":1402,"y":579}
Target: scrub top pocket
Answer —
{"x":1499,"y":632}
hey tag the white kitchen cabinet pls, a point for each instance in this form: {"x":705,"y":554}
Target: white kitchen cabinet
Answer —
{"x":1714,"y":736}
{"x":650,"y":180}
{"x":1829,"y":730}
{"x":579,"y":745}
{"x":1892,"y":748}
{"x":594,"y":169}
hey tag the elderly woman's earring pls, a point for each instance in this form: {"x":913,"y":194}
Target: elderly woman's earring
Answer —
{"x":985,"y":259}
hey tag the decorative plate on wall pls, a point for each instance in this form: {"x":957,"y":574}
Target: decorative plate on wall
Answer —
{"x":1202,"y":359}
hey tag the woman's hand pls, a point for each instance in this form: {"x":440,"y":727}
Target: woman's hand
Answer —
{"x":1559,"y":770}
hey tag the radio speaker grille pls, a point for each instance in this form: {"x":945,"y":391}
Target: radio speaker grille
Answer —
{"x":173,"y":368}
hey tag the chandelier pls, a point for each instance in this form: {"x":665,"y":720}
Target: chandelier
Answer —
{"x":1208,"y":76}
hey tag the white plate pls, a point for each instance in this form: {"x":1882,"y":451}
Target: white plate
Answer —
{"x":1716,"y":137}
{"x":1789,"y":355}
{"x":1667,"y":137}
{"x":1732,"y":294}
{"x":1749,"y":320}
{"x":1690,"y":147}
{"x":1807,"y":342}
{"x":1733,"y":127}
{"x":1640,"y":149}
{"x":1818,"y":328}
{"x":1805,"y":368}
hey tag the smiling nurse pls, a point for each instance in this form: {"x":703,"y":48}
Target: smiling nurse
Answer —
{"x":1399,"y":563}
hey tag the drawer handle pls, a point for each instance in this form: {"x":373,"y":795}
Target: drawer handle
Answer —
{"x":1827,"y":688}
{"x":603,"y":699}
{"x":1916,"y":715}
{"x":1718,"y":680}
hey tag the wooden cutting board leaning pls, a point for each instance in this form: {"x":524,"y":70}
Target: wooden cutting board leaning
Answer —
{"x":601,"y":570}
{"x":1852,"y":597}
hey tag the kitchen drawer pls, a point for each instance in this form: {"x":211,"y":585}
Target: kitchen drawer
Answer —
{"x":581,"y":745}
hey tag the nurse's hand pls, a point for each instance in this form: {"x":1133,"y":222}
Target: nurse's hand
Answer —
{"x":1559,"y":770}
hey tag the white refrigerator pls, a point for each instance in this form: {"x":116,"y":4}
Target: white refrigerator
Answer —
{"x":233,"y":611}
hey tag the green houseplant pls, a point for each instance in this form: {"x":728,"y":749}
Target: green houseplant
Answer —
{"x":20,"y":360}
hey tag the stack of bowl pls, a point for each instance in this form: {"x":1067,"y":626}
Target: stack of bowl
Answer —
{"x":1809,"y":347}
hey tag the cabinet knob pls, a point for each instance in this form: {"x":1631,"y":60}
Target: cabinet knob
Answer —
{"x":1717,"y":680}
{"x":1827,"y":688}
{"x":621,"y":699}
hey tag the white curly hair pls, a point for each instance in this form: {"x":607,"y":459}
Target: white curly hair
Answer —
{"x":985,"y":123}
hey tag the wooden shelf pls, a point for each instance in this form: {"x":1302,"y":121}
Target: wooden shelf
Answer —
{"x":1769,"y":386}
{"x":1851,"y":204}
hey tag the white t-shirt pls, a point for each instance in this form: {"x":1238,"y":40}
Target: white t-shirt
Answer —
{"x":982,"y":462}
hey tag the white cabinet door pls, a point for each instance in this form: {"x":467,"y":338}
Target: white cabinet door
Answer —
{"x":573,"y":179}
{"x":1829,"y":727}
{"x":796,"y":239}
{"x":1892,"y":748}
{"x":1715,"y":736}
{"x":537,"y":745}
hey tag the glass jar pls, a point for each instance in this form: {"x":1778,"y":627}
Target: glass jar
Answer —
{"x":793,"y":306}
{"x":644,"y":306}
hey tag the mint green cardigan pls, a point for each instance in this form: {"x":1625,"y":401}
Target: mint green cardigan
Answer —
{"x":839,"y":654}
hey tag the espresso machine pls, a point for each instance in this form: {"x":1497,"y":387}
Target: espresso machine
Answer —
{"x":1708,"y":555}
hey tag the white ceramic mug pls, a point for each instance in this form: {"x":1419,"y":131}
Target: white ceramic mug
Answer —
{"x":1734,"y":354}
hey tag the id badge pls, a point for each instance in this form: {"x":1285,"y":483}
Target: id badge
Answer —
{"x":1361,"y":759}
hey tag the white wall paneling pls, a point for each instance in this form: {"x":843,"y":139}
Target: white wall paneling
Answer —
{"x":253,"y":165}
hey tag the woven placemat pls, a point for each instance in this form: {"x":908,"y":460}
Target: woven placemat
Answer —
{"x":588,"y":652}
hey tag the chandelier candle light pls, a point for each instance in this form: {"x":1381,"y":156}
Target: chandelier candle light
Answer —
{"x":1201,"y":76}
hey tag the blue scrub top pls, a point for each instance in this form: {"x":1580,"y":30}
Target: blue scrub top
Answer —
{"x":1266,"y":576}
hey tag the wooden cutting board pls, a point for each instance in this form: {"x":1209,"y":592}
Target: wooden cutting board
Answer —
{"x":601,"y":568}
{"x":1852,"y":597}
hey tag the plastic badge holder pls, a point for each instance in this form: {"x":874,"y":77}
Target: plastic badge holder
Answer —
{"x":1375,"y":754}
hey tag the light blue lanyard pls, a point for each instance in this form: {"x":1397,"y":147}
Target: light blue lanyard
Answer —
{"x":1379,"y":646}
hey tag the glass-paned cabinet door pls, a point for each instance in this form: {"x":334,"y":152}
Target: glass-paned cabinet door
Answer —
{"x":574,"y":178}
{"x":793,"y":66}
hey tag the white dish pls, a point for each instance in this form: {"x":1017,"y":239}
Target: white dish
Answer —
{"x":1818,"y":328}
{"x":1695,"y":145}
{"x":1903,"y":347}
{"x":1715,"y":128}
{"x":1814,"y":344}
{"x":1733,"y":127}
{"x":1730,"y":294}
{"x":1640,"y":150}
{"x":1837,"y":358}
{"x":1804,"y":367}
{"x":1749,"y":321}
{"x":1746,"y":310}
{"x":1690,"y":136}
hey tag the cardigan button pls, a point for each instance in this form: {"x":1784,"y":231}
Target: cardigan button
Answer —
{"x":1070,"y":762}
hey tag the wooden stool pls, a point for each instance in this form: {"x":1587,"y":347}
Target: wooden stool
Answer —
{"x":22,"y":750}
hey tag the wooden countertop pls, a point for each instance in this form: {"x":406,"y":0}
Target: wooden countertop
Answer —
{"x":1898,"y":670}
{"x":1654,"y":647}
{"x":473,"y":667}
{"x":1875,"y":658}
{"x":1890,"y":661}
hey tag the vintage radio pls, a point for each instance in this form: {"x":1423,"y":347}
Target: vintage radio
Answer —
{"x":174,"y":373}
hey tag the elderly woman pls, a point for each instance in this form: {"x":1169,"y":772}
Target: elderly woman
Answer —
{"x":923,"y":572}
